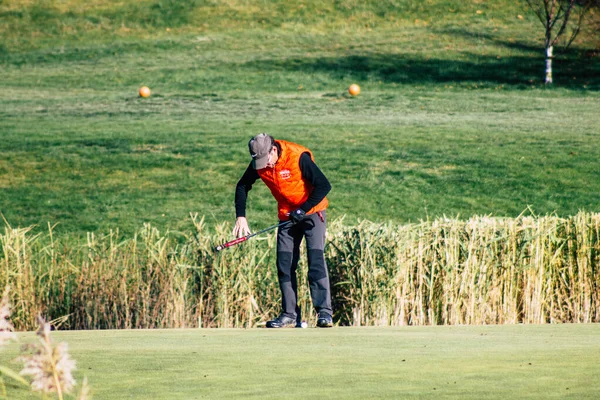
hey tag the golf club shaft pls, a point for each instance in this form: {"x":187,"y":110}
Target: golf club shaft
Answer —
{"x":244,"y":238}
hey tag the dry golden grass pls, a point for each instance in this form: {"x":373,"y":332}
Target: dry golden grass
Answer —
{"x":446,"y":271}
{"x":481,"y":271}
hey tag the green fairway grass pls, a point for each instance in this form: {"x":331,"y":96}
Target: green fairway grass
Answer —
{"x":485,"y":362}
{"x":452,"y":118}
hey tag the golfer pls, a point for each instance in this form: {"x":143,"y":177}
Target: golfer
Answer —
{"x":299,"y":187}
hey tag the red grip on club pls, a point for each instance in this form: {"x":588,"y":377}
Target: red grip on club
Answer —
{"x":243,"y":239}
{"x":232,"y":243}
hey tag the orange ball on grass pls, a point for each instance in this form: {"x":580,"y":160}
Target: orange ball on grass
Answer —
{"x":144,"y":91}
{"x":354,"y":89}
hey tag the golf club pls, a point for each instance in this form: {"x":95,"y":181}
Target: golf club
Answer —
{"x":244,"y":238}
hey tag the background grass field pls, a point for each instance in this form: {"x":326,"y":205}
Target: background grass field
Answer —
{"x":452,"y":119}
{"x":485,"y":362}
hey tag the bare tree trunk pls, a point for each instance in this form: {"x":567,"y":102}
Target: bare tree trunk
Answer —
{"x":549,"y":57}
{"x":555,"y":16}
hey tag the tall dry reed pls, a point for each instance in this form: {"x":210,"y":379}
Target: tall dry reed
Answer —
{"x":446,"y":271}
{"x":480,"y":271}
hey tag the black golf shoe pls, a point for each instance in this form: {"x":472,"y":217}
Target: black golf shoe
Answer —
{"x":282,"y":322}
{"x":324,"y":321}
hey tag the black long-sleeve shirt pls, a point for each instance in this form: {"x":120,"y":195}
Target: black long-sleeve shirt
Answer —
{"x":310,"y":172}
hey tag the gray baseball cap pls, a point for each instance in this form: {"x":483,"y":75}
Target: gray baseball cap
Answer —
{"x":260,"y":146}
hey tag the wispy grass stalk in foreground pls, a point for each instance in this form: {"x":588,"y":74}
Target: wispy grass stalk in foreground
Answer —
{"x":50,"y":367}
{"x":447,"y":271}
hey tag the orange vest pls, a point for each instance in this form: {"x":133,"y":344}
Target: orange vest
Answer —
{"x":286,"y":183}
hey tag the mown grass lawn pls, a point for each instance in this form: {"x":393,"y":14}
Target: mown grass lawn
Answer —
{"x":462,"y":362}
{"x":452,"y":119}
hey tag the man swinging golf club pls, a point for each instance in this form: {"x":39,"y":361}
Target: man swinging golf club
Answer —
{"x":299,"y":187}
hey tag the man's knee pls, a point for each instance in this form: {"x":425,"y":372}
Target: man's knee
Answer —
{"x":317,"y":269}
{"x":284,"y":266}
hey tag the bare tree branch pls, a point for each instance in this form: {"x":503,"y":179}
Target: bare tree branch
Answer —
{"x":565,"y":21}
{"x":585,"y":7}
{"x":557,"y":16}
{"x":536,"y":9}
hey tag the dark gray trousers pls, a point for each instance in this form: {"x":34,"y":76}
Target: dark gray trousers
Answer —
{"x":289,"y":238}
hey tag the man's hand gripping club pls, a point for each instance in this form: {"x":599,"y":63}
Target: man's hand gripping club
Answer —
{"x":241,"y":227}
{"x":297,"y":216}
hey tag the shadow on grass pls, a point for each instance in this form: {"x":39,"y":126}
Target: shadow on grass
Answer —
{"x":572,"y":71}
{"x":577,"y":69}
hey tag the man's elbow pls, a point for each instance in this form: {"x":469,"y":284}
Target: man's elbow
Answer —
{"x":327,"y":188}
